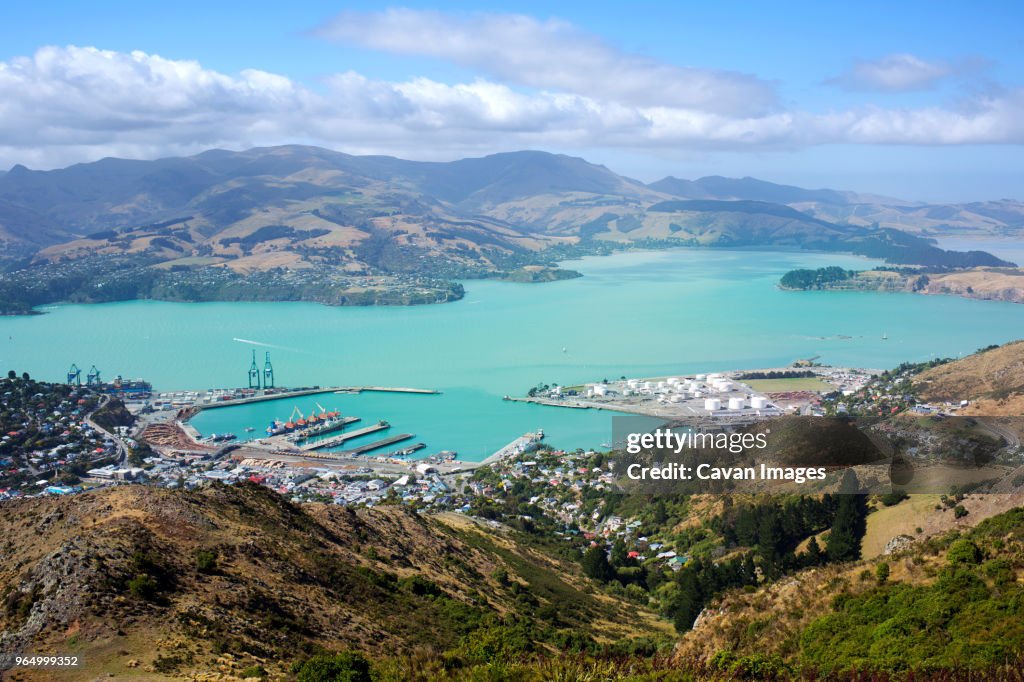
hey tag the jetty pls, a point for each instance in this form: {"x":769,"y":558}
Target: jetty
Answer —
{"x":263,"y":397}
{"x":343,"y":437}
{"x":387,"y":389}
{"x":376,"y":445}
{"x":524,"y":443}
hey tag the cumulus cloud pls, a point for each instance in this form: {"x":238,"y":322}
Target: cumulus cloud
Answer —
{"x":63,"y":105}
{"x":551,"y":54}
{"x":893,"y":73}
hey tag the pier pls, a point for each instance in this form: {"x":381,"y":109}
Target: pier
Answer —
{"x":387,"y":389}
{"x":376,"y":445}
{"x":262,"y":397}
{"x":343,"y":437}
{"x":524,"y":443}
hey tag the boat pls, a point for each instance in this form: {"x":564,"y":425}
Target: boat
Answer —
{"x":306,"y":426}
{"x":249,"y":429}
{"x":443,"y":456}
{"x":222,"y":437}
{"x":885,"y":337}
{"x":405,"y":452}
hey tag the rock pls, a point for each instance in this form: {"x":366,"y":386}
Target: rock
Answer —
{"x":898,"y":544}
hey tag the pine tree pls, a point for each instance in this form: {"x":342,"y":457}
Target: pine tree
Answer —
{"x":596,"y":566}
{"x":813,"y":552}
{"x":843,"y":542}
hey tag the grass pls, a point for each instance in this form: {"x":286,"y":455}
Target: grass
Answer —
{"x":901,"y":519}
{"x":795,"y":384}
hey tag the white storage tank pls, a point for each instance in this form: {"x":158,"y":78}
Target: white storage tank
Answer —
{"x":736,"y":403}
{"x":712,"y":404}
{"x":759,"y":402}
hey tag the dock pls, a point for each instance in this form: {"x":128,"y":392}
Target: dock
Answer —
{"x":340,"y":424}
{"x":264,"y":397}
{"x":376,"y":445}
{"x":524,"y":443}
{"x":343,"y":437}
{"x":387,"y":389}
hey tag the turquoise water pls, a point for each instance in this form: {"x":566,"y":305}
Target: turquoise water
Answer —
{"x":634,"y":314}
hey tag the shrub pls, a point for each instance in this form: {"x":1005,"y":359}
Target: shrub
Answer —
{"x":206,"y":561}
{"x":347,"y":666}
{"x":882,"y":573}
{"x":964,"y":552}
{"x":144,"y":586}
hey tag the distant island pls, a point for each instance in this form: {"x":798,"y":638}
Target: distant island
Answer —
{"x":296,"y":223}
{"x":991,"y":283}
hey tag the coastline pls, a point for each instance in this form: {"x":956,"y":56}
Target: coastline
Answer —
{"x":983,"y":284}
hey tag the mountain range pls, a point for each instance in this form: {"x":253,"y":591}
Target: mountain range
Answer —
{"x":294,"y":208}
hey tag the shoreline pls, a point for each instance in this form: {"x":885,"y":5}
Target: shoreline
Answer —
{"x":603,"y":250}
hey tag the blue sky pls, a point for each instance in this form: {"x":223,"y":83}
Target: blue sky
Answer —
{"x":901,"y":98}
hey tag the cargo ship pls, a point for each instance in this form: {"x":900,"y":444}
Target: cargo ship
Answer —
{"x":303,"y":426}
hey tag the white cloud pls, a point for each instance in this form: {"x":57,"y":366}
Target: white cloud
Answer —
{"x":551,"y":54}
{"x":64,"y":105}
{"x":893,"y":73}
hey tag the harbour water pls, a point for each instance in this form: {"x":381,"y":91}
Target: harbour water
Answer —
{"x":635,"y":314}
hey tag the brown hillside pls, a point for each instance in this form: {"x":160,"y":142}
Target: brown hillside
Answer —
{"x":992,"y":380}
{"x":286,"y":580}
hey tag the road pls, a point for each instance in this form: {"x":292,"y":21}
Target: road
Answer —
{"x":122,"y":449}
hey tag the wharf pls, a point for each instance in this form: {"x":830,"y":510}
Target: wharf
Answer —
{"x":343,"y":437}
{"x":524,"y":443}
{"x":263,"y":397}
{"x":387,"y":389}
{"x":377,"y":444}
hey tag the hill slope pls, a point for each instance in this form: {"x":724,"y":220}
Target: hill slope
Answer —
{"x":305,"y":223}
{"x":992,"y":380}
{"x":174,"y":581}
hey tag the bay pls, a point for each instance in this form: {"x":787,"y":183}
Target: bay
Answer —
{"x":641,"y":313}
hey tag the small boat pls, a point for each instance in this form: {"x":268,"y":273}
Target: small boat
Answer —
{"x":249,"y":429}
{"x":885,"y":337}
{"x":564,"y":349}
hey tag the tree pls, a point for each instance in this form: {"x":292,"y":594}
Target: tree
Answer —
{"x":12,"y":375}
{"x":596,"y":566}
{"x":843,"y":542}
{"x":619,"y":553}
{"x":686,"y":605}
{"x":814,"y":555}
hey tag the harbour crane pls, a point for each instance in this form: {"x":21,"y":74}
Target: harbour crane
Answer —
{"x":74,"y":375}
{"x":254,"y":373}
{"x":268,"y":373}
